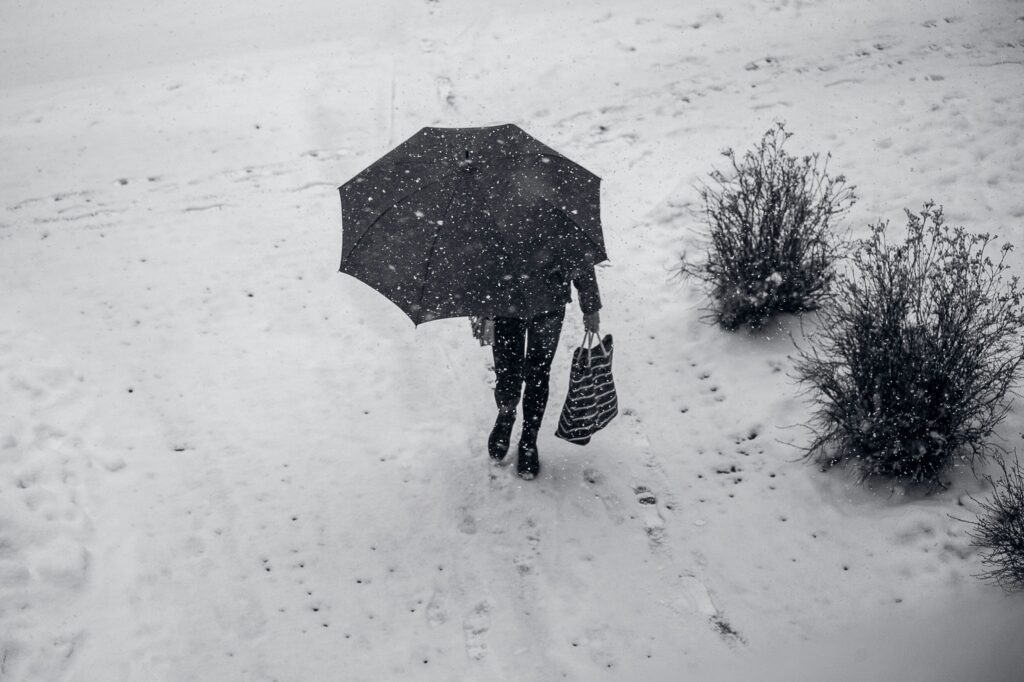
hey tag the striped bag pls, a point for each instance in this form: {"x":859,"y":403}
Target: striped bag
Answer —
{"x":591,"y":402}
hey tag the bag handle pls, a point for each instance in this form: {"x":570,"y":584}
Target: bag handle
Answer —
{"x":588,"y":342}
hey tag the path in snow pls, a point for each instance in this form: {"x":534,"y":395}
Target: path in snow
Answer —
{"x":219,"y":460}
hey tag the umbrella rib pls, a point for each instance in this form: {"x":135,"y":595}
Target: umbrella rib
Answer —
{"x":383,"y":213}
{"x":433,"y":245}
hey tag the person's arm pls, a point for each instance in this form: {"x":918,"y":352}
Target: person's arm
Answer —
{"x":585,"y":281}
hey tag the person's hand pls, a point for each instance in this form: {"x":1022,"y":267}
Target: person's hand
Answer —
{"x":592,"y":322}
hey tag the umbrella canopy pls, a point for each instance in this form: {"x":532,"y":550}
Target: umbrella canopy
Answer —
{"x":469,"y":221}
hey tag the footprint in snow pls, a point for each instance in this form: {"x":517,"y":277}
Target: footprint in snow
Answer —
{"x":727,"y":631}
{"x":595,"y":480}
{"x":500,"y":474}
{"x":524,"y":562}
{"x":475,"y":626}
{"x":467,"y":524}
{"x":654,"y":524}
{"x":637,"y":427}
{"x":596,"y":642}
{"x":695,"y":597}
{"x":435,"y":611}
{"x":445,"y":91}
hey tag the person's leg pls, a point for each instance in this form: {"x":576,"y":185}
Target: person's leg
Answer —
{"x":509,"y":343}
{"x":542,"y":342}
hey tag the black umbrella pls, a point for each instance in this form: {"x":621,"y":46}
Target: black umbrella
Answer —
{"x":470,"y":221}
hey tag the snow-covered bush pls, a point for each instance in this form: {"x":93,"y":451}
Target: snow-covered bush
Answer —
{"x":769,"y":241}
{"x":999,"y":531}
{"x":914,"y":357}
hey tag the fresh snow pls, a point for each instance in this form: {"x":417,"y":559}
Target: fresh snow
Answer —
{"x":220,"y":460}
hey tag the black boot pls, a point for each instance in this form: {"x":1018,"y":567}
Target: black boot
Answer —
{"x":501,"y":434}
{"x":528,"y":464}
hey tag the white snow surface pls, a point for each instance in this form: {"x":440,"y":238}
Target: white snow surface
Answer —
{"x":220,"y":460}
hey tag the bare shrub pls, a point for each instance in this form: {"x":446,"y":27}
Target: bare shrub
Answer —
{"x":770,"y":247}
{"x":913,"y":360}
{"x":999,"y":530}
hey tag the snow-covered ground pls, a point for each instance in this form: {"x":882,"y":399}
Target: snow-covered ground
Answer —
{"x":220,"y":460}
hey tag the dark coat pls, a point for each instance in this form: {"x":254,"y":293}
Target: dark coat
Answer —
{"x":529,"y":296}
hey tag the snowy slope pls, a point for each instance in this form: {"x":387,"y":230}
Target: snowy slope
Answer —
{"x":220,"y":460}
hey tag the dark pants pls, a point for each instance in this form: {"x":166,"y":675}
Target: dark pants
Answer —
{"x":523,"y":350}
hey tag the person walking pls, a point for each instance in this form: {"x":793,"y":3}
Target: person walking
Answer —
{"x":490,"y":223}
{"x":524,"y":347}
